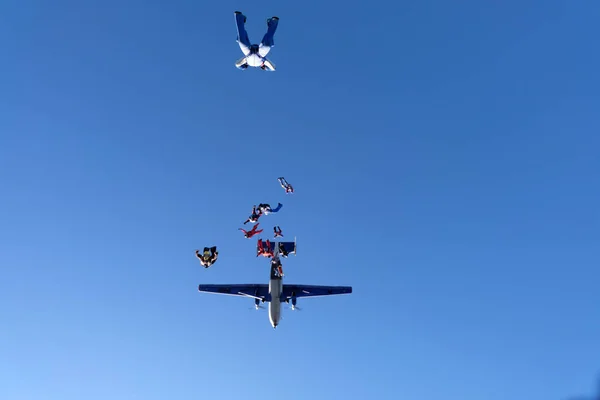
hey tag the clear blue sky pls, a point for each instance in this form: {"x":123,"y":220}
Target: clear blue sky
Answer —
{"x":445,"y":158}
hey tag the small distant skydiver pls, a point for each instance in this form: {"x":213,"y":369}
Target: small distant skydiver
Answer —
{"x":266,"y":208}
{"x":285,"y":185}
{"x":209,"y":257}
{"x":277,"y":232}
{"x":255,"y":55}
{"x":252,"y":232}
{"x":282,"y":250}
{"x":254,"y":216}
{"x":277,"y":267}
{"x":264,"y":248}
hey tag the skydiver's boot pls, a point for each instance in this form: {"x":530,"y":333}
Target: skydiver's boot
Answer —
{"x":268,"y":65}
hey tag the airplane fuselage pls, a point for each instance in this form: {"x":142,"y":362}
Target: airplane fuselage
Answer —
{"x":275,"y":288}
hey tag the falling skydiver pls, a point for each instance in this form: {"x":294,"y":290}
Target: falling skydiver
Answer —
{"x":285,"y":185}
{"x":209,"y":256}
{"x":256,"y":213}
{"x":266,"y":208}
{"x":254,"y":54}
{"x":252,"y":232}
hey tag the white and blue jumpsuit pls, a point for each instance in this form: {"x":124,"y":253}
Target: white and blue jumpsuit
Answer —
{"x":254,"y":54}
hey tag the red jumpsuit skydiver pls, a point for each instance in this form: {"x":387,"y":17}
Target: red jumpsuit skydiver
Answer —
{"x":252,"y":232}
{"x":264,"y":249}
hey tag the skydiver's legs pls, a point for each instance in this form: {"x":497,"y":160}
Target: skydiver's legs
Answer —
{"x":242,"y":35}
{"x":268,"y":41}
{"x":283,"y":182}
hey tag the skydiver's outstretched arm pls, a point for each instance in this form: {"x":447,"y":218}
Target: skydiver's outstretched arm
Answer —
{"x":242,"y":35}
{"x":255,"y":227}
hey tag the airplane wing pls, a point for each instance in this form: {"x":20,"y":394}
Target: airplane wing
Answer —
{"x":260,"y":292}
{"x":312,"y":291}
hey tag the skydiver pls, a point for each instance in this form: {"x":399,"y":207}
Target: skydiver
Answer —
{"x":209,"y":256}
{"x":277,"y":267}
{"x":254,"y":216}
{"x":285,"y":185}
{"x":254,"y":54}
{"x":252,"y":232}
{"x":277,"y":232}
{"x":266,"y":208}
{"x":282,"y":250}
{"x":264,"y":248}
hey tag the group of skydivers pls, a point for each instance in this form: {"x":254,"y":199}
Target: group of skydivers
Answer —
{"x":254,"y":56}
{"x":210,"y":254}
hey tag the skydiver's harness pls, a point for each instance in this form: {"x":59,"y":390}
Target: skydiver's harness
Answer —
{"x":254,"y":49}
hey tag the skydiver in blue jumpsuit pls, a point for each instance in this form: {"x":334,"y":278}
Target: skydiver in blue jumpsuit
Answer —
{"x":266,"y":208}
{"x":254,"y":54}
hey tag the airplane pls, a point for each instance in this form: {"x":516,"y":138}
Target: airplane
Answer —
{"x":275,"y":292}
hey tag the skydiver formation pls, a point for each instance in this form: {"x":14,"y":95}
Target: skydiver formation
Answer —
{"x":275,"y":292}
{"x":255,"y":56}
{"x":264,"y":248}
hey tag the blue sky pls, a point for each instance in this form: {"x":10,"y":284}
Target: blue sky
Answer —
{"x":445,"y":159}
